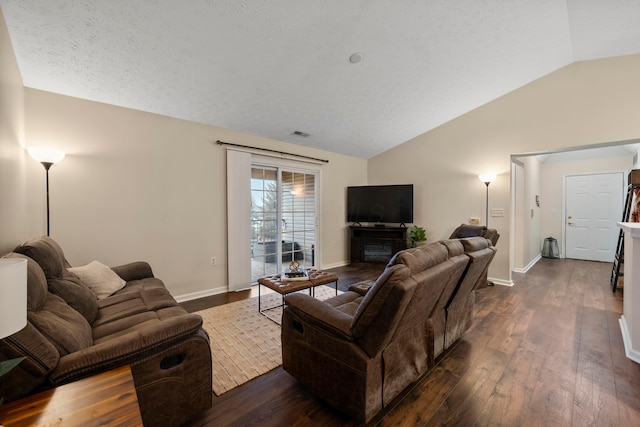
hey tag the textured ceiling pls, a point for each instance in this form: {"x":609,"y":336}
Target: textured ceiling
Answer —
{"x":272,"y":67}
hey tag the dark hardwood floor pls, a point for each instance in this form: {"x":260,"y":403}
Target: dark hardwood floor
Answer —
{"x":546,"y":352}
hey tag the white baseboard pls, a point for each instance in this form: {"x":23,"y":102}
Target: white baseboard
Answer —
{"x":201,"y":294}
{"x":500,"y":282}
{"x":628,"y":345}
{"x":334,"y":265}
{"x":528,"y":266}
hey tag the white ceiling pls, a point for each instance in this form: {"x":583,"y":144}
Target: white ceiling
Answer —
{"x":272,"y":67}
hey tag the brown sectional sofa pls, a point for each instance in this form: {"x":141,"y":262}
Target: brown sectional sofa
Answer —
{"x":359,"y":350}
{"x":70,"y":335}
{"x":472,"y":230}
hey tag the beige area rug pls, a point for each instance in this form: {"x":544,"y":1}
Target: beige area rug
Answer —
{"x":244,"y":343}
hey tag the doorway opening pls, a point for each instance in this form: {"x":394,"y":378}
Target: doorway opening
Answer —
{"x":542,"y":174}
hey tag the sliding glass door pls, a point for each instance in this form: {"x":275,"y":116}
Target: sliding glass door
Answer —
{"x":264,"y":219}
{"x":283,"y":219}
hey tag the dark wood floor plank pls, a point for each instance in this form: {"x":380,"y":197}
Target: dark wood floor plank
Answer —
{"x":509,"y":338}
{"x":423,"y":400}
{"x":547,"y":351}
{"x":629,"y":415}
{"x":480,"y":369}
{"x":549,"y":406}
{"x":594,"y":406}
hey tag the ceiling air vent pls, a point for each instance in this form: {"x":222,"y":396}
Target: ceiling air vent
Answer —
{"x":298,"y":133}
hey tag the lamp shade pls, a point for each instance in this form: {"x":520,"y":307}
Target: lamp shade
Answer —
{"x":46,"y":155}
{"x":487,"y":177}
{"x":13,"y":295}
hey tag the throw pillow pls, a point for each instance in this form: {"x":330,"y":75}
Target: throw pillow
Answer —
{"x":102,"y":280}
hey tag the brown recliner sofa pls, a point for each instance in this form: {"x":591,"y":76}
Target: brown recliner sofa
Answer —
{"x":71,"y":335}
{"x":472,"y":230}
{"x":359,"y":350}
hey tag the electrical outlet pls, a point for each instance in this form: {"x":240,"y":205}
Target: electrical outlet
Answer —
{"x":214,"y":260}
{"x":474,"y":220}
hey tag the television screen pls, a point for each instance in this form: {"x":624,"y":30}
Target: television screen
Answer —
{"x":380,"y":203}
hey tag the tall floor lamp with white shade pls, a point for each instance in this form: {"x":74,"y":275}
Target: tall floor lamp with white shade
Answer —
{"x":487,"y":178}
{"x":47,"y":157}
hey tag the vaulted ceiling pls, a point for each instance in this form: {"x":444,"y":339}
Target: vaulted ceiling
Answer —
{"x":273,"y":67}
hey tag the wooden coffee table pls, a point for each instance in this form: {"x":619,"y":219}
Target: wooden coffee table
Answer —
{"x":285,"y":287}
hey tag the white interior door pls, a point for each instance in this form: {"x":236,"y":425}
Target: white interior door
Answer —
{"x":593,"y":205}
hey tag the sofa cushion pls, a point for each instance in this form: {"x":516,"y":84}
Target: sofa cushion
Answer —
{"x":50,"y":315}
{"x":375,"y":298}
{"x":468,"y":230}
{"x":421,"y":258}
{"x":472,"y":230}
{"x":47,"y":253}
{"x":102,"y":280}
{"x":49,"y":257}
{"x":347,"y":302}
{"x":76,"y":294}
{"x":124,"y":313}
{"x":63,"y":326}
{"x":472,"y":244}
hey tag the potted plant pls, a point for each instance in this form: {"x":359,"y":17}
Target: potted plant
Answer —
{"x":418,"y":236}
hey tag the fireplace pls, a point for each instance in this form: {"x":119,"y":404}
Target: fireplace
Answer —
{"x":376,"y":244}
{"x":377,"y":251}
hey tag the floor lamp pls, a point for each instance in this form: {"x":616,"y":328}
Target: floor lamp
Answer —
{"x":47,"y":157}
{"x":487,"y":178}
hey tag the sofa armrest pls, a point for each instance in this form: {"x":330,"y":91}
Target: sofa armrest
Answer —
{"x":134,"y":271}
{"x":320,"y":314}
{"x":125,"y":349}
{"x":361,"y":288}
{"x":41,"y":358}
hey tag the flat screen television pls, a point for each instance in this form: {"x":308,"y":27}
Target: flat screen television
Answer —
{"x":380,"y":204}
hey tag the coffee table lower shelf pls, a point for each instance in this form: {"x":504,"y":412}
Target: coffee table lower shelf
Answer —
{"x":285,"y":287}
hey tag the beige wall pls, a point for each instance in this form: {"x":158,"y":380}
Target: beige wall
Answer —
{"x":583,"y":103}
{"x":139,"y":186}
{"x":13,"y":208}
{"x":518,"y":235}
{"x":531,"y":217}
